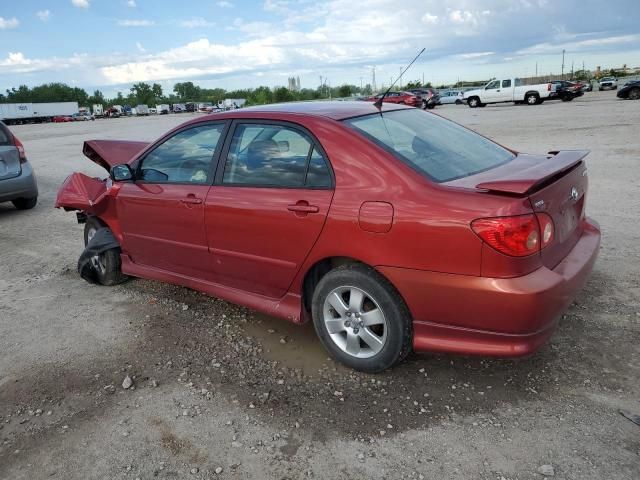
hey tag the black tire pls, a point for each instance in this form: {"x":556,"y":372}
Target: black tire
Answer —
{"x":532,"y":99}
{"x":634,"y":94}
{"x":458,"y":102}
{"x":424,"y":105}
{"x":110,"y":260}
{"x":397,"y":330}
{"x":567,"y":98}
{"x":474,"y":102}
{"x":25,"y":203}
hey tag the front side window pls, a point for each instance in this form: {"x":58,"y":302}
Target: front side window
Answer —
{"x":184,"y":158}
{"x":435,"y":147}
{"x":494,"y":84}
{"x":274,"y":155}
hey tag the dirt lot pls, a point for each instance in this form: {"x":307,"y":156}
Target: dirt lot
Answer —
{"x":221,"y":392}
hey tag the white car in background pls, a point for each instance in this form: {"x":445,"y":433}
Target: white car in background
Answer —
{"x":451,"y":97}
{"x":509,"y":90}
{"x":608,"y":83}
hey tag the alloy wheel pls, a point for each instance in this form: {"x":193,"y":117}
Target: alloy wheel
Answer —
{"x":355,"y":322}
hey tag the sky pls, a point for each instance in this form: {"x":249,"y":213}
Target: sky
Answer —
{"x":110,"y":44}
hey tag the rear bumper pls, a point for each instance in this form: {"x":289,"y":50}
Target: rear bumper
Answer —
{"x":494,"y":316}
{"x":22,"y":186}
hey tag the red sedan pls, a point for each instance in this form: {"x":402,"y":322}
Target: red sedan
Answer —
{"x":391,"y":231}
{"x":402,"y":98}
{"x":62,"y":119}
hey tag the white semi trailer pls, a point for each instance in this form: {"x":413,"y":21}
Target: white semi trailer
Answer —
{"x":16,"y":113}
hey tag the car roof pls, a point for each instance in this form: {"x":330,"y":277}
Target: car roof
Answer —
{"x":336,"y":110}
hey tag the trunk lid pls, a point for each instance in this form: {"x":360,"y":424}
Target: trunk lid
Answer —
{"x":555,"y":184}
{"x":9,"y":162}
{"x":109,"y":153}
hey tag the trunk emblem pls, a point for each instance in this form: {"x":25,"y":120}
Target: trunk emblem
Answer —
{"x":574,"y":193}
{"x":539,"y":204}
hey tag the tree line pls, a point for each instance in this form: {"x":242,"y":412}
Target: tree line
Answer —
{"x":153,"y":94}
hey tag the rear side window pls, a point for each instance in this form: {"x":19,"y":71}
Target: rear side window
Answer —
{"x":275,"y":156}
{"x":5,"y":136}
{"x":506,"y":83}
{"x":435,"y":147}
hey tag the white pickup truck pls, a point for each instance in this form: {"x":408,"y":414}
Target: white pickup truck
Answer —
{"x":509,"y":90}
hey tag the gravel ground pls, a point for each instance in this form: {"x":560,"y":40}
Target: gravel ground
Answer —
{"x":218,"y":391}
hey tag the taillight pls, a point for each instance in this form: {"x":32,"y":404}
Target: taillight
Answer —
{"x":18,"y":144}
{"x":548,"y":87}
{"x":547,"y":230}
{"x":515,"y":236}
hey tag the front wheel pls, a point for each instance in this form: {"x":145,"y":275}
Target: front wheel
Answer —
{"x":474,"y":102}
{"x":107,"y":265}
{"x":361,"y":319}
{"x":634,"y":94}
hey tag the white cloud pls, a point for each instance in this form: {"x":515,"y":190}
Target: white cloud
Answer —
{"x":80,"y":3}
{"x":580,"y":45}
{"x":6,"y":23}
{"x":475,"y":55}
{"x":131,"y":3}
{"x":136,"y":23}
{"x":197,"y":22}
{"x":428,"y":18}
{"x":224,"y":4}
{"x":43,"y":15}
{"x":140,"y":48}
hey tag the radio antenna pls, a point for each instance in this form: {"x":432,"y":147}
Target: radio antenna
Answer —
{"x":378,"y":103}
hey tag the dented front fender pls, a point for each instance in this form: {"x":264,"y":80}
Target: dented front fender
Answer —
{"x":81,"y":192}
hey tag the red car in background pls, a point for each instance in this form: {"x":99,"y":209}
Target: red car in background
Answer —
{"x":402,"y":98}
{"x":62,"y":119}
{"x":390,"y":229}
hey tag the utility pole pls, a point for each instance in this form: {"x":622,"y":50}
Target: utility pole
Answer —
{"x":361,"y":85}
{"x":571,"y":68}
{"x":373,"y":80}
{"x":400,"y":86}
{"x":536,"y":69}
{"x":562,"y":74}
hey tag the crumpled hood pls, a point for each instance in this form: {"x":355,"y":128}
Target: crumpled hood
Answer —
{"x":108,"y":153}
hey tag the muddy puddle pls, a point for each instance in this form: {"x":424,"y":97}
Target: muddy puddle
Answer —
{"x":291,"y":345}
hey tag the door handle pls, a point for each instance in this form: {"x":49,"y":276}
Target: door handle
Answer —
{"x":191,"y":200}
{"x":303,"y":207}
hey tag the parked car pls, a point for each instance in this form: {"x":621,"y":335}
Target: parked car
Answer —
{"x":62,"y":119}
{"x":587,"y":86}
{"x":390,"y":229}
{"x":142,"y":110}
{"x":630,"y":90}
{"x":509,"y":90}
{"x":17,"y":180}
{"x":112,"y":112}
{"x":152,"y":111}
{"x":567,"y":91}
{"x":403,"y":98}
{"x":451,"y":96}
{"x":608,"y":83}
{"x":430,"y":98}
{"x":163,"y":109}
{"x":82,"y":117}
{"x":179,"y":108}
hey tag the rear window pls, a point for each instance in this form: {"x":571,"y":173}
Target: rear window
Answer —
{"x":435,"y":147}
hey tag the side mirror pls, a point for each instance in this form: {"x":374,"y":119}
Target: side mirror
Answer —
{"x":121,"y":173}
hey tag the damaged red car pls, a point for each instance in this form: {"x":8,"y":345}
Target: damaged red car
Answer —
{"x":392,"y":230}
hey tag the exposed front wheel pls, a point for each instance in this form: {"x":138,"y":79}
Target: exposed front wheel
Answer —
{"x":107,"y":265}
{"x":361,"y":319}
{"x":634,"y":94}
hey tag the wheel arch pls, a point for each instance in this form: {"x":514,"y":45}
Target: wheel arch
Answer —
{"x":319,"y":269}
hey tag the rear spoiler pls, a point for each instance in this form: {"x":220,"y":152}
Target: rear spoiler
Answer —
{"x":533,"y":175}
{"x":109,"y":153}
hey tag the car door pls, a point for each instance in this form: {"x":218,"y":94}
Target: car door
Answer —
{"x":268,"y":206}
{"x":492,"y":92}
{"x":162,"y":210}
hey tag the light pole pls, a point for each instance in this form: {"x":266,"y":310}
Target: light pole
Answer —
{"x":562,"y":74}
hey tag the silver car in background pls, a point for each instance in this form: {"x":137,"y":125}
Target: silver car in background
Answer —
{"x":608,"y":83}
{"x":17,"y":180}
{"x":451,"y":97}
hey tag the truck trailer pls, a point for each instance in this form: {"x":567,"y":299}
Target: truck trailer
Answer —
{"x":17,"y":113}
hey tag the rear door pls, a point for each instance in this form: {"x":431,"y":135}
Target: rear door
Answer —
{"x":9,"y":155}
{"x":268,"y":206}
{"x":162,"y":211}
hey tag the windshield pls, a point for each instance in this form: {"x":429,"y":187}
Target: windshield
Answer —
{"x":435,"y":147}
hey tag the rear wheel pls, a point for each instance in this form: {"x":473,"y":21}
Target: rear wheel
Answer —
{"x":532,"y":99}
{"x":634,"y":94}
{"x":107,"y":265}
{"x":361,"y":319}
{"x":25,"y":203}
